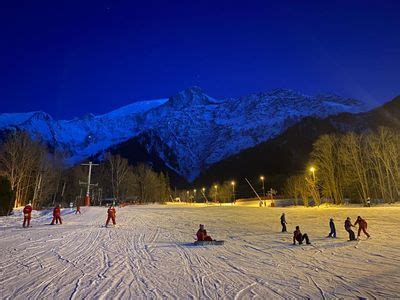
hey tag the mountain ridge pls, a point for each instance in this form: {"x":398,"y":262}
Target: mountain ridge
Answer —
{"x":198,"y":129}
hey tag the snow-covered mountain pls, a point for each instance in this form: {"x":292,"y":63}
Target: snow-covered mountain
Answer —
{"x":189,"y":131}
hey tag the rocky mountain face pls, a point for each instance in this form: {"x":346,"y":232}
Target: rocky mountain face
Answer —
{"x":186,"y":133}
{"x":288,"y":153}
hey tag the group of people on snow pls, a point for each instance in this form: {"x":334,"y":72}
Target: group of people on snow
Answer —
{"x":362,"y":226}
{"x":27,"y":211}
{"x":202,"y":235}
{"x":299,"y":237}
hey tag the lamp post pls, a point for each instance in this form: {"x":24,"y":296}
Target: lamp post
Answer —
{"x":204,"y":194}
{"x":263,"y":187}
{"x":233,"y":191}
{"x":187,"y":196}
{"x":312,"y":170}
{"x":216,"y":192}
{"x":194,"y":195}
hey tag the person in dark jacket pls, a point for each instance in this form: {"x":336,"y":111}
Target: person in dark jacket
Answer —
{"x":299,"y":237}
{"x":56,"y":215}
{"x":202,"y":234}
{"x":362,"y":225}
{"x":27,"y":215}
{"x":332,"y":234}
{"x":283,"y":222}
{"x":347,"y":226}
{"x":78,"y":209}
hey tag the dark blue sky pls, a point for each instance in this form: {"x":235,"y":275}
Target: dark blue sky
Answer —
{"x":72,"y":57}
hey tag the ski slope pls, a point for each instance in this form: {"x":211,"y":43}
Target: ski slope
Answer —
{"x":150,"y":255}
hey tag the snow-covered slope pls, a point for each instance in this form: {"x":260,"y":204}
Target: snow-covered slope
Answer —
{"x":192,"y":127}
{"x":150,"y":255}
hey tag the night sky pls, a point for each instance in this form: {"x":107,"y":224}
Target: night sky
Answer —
{"x":69,"y":58}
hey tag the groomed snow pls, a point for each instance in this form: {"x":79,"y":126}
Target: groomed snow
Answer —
{"x":150,"y":255}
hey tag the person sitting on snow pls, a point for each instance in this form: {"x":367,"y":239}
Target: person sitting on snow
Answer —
{"x":111,"y":215}
{"x":347,"y":226}
{"x":332,"y":234}
{"x":362,"y":225}
{"x":27,"y":215}
{"x":202,"y":234}
{"x":56,"y":215}
{"x":299,"y":237}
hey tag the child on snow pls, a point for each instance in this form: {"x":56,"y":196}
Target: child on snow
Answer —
{"x":283,"y":222}
{"x":111,"y":215}
{"x":362,"y":225}
{"x":332,"y":233}
{"x":202,"y":234}
{"x":299,"y":237}
{"x":56,"y":215}
{"x":347,"y":226}
{"x":27,"y":215}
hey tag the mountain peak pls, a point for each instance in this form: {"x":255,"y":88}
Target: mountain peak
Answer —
{"x":190,"y":96}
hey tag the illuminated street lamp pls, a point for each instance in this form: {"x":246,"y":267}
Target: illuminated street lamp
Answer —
{"x":216,"y":192}
{"x":204,"y":194}
{"x":312,"y":170}
{"x":263,"y":187}
{"x":194,"y":194}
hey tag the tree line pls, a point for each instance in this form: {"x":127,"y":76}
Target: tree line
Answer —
{"x":32,"y":172}
{"x":353,"y":166}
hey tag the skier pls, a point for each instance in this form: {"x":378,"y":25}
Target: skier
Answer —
{"x":368,"y":204}
{"x":111,"y":215}
{"x":362,"y":225}
{"x":332,"y":234}
{"x":299,"y":237}
{"x":347,"y":226}
{"x":78,"y":210}
{"x":27,"y":215}
{"x":202,"y":234}
{"x":283,"y":222}
{"x":56,"y":215}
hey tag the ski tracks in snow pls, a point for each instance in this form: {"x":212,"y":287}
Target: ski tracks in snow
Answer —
{"x":150,"y":254}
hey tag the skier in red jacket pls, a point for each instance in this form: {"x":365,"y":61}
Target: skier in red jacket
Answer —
{"x":78,"y":210}
{"x":111,"y":215}
{"x":202,"y":234}
{"x":362,"y":225}
{"x":27,"y":215}
{"x":56,"y":215}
